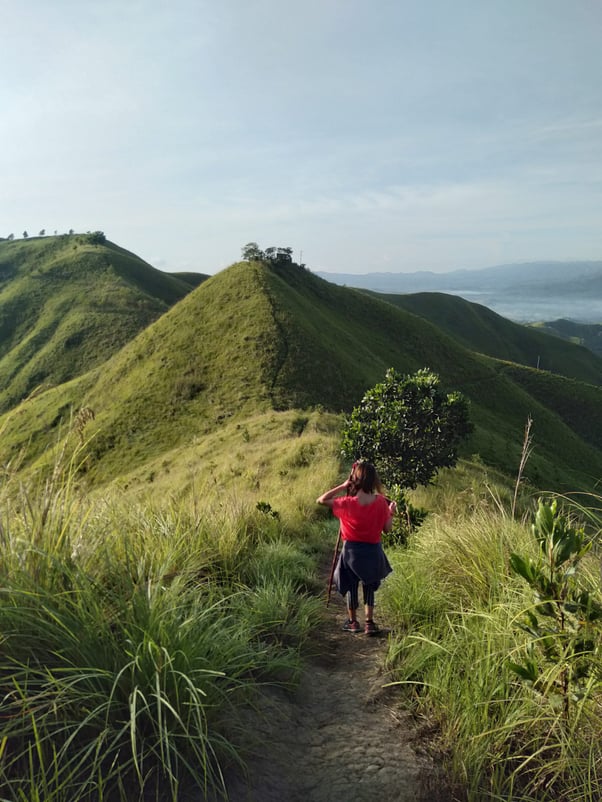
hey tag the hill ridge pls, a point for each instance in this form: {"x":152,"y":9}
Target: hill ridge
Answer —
{"x":525,"y":292}
{"x":257,"y":337}
{"x":67,"y":304}
{"x":483,"y":330}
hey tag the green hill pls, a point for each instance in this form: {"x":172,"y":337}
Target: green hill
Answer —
{"x":256,"y":338}
{"x":586,"y":334}
{"x":484,"y":331}
{"x":340,"y":341}
{"x":192,"y":279}
{"x":68,"y":303}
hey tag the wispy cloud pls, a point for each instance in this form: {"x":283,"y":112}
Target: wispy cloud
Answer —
{"x":437,"y":135}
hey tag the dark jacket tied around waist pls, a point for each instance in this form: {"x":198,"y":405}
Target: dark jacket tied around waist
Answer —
{"x":367,"y":561}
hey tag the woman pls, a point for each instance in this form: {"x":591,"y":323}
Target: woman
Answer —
{"x":364,"y":514}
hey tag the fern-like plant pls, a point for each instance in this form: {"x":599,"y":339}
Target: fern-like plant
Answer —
{"x":564,"y":623}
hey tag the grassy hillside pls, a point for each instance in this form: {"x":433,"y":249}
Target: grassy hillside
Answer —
{"x":339,"y":342}
{"x":256,"y":338}
{"x":192,"y":279}
{"x":67,"y":304}
{"x":484,"y":331}
{"x":586,"y":334}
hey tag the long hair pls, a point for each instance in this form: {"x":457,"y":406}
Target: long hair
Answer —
{"x":364,"y":477}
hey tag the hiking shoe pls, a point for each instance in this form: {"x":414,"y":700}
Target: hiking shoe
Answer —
{"x":370,"y":628}
{"x":351,"y":626}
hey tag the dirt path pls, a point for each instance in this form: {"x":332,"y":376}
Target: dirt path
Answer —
{"x":340,"y":737}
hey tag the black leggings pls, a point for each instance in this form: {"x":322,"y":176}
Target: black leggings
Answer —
{"x":353,"y":599}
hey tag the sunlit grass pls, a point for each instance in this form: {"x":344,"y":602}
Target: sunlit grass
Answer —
{"x":265,"y":458}
{"x":133,"y":637}
{"x":457,"y":612}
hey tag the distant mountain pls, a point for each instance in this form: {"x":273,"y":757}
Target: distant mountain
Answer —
{"x":480,"y":329}
{"x":68,"y":303}
{"x":258,"y":337}
{"x":527,"y":292}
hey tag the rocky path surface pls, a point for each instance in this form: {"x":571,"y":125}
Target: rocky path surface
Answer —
{"x":341,"y":736}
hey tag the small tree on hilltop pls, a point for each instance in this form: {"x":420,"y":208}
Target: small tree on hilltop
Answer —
{"x":273,"y":255}
{"x":409,"y":428}
{"x":96,"y":237}
{"x":252,"y":252}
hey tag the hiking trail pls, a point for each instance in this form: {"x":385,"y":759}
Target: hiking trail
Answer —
{"x":340,"y":736}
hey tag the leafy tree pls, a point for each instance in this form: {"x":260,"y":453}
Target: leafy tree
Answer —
{"x":42,"y":232}
{"x":11,"y":237}
{"x":408,"y":428}
{"x":278,"y":255}
{"x":25,"y":235}
{"x":252,"y":252}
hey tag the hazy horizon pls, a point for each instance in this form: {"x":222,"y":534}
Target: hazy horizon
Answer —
{"x":397,"y":137}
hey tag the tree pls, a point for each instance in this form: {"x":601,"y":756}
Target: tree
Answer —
{"x":272,"y":255}
{"x":25,"y":235}
{"x":408,"y":428}
{"x":252,"y":252}
{"x":11,"y":237}
{"x":42,"y":232}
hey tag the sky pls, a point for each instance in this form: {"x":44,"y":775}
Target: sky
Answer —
{"x":389,"y":136}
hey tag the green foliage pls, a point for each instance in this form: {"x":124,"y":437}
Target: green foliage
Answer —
{"x":408,"y":428}
{"x":266,"y":508}
{"x":453,"y":604}
{"x":565,"y":622}
{"x":251,"y":252}
{"x":258,"y":336}
{"x":134,"y":639}
{"x":408,"y":519}
{"x":96,"y":238}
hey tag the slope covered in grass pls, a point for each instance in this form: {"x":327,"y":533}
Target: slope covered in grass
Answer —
{"x":484,"y":331}
{"x":586,"y":334}
{"x":339,"y":342}
{"x":67,"y":303}
{"x":461,"y":621}
{"x":260,"y":337}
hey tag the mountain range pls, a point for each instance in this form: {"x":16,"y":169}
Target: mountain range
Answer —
{"x":533,"y":291}
{"x":161,"y":360}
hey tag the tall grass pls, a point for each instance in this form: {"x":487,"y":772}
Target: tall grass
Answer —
{"x":458,"y":613}
{"x":132,"y":639}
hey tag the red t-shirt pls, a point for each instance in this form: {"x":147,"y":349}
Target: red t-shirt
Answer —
{"x":362,"y":523}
